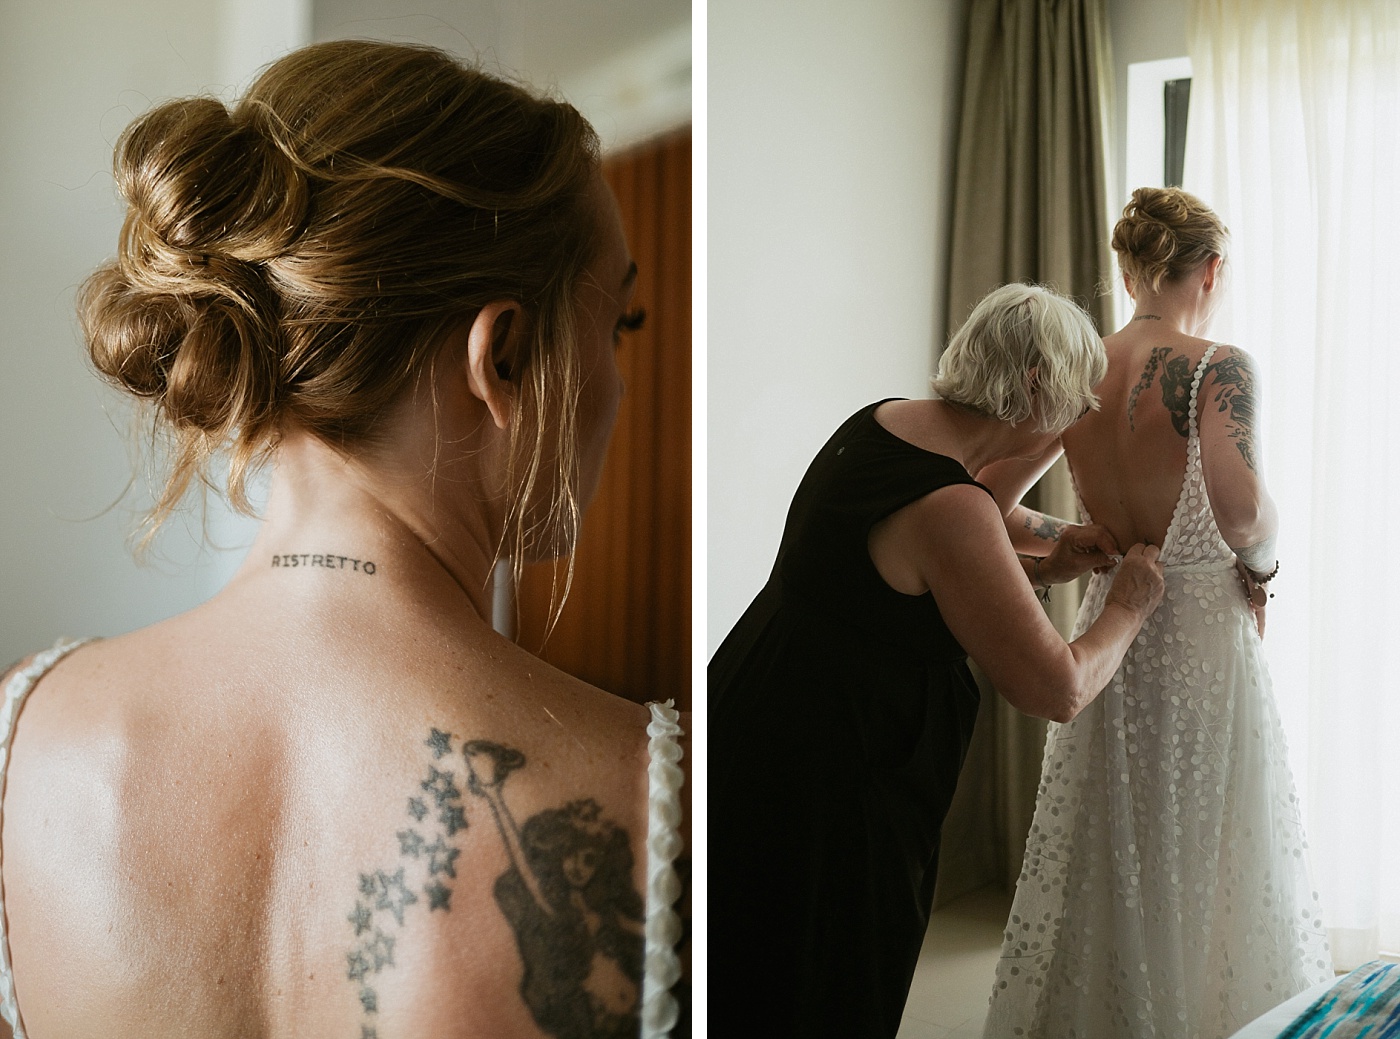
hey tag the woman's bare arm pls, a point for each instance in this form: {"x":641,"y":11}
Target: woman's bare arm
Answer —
{"x":953,"y":542}
{"x":1032,"y":533}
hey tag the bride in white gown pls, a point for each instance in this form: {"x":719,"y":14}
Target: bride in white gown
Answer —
{"x":1164,"y":891}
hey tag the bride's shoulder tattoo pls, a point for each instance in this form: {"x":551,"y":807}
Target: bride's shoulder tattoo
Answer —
{"x":1149,"y":372}
{"x":1234,"y":392}
{"x":567,"y":892}
{"x":1177,"y":373}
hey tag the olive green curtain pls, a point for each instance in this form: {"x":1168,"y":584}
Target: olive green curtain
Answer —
{"x":1030,"y":204}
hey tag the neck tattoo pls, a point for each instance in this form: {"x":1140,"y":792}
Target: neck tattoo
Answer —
{"x":1147,"y":317}
{"x":330,"y":562}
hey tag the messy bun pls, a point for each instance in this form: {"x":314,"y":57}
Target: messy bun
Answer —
{"x":184,"y":317}
{"x":296,"y":260}
{"x":1164,"y":234}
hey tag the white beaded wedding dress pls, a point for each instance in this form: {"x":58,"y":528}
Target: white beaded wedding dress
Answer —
{"x":1164,"y":892}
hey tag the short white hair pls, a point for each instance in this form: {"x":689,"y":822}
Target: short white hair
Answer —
{"x":987,"y":365}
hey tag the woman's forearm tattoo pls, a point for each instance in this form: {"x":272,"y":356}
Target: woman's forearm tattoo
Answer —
{"x":1047,"y":528}
{"x":567,"y":893}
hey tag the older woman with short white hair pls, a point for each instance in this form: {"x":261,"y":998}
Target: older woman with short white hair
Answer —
{"x":841,"y":703}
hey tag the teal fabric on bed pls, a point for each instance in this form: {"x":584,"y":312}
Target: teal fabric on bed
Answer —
{"x":1364,"y":1003}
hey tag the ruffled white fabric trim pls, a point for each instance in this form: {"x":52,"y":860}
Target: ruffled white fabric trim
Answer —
{"x":16,"y":689}
{"x":660,"y":1011}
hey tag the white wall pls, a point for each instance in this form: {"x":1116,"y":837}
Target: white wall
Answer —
{"x":831,"y":130}
{"x":625,"y":64}
{"x":1140,"y":30}
{"x":73,"y":74}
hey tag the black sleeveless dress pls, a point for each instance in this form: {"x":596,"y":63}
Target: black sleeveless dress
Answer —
{"x":840,"y":712}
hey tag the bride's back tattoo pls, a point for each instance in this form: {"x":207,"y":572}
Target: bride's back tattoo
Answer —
{"x":567,"y":892}
{"x":1233,"y":376}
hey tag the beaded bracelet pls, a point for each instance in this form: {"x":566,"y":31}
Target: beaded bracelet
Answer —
{"x":1264,"y":578}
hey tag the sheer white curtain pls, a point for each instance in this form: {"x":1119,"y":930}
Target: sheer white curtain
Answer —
{"x":1294,"y":138}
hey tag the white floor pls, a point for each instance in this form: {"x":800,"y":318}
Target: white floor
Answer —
{"x":948,"y":999}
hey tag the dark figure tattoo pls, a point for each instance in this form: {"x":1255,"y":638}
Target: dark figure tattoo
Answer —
{"x":1149,"y":372}
{"x":569,"y":897}
{"x":1177,"y":373}
{"x":567,"y":894}
{"x":1235,"y":379}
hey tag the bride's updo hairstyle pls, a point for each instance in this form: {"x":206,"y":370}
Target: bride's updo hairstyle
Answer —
{"x":1164,"y":234}
{"x":296,"y":260}
{"x":987,"y":364}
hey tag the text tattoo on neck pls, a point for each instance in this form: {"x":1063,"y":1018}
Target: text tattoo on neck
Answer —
{"x":328,"y":560}
{"x":567,"y":894}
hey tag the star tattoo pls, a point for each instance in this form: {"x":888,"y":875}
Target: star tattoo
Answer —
{"x":410,"y":842}
{"x":417,"y":808}
{"x":392,"y":895}
{"x":452,"y":817}
{"x":441,"y":856}
{"x":360,"y":917}
{"x":381,"y":949}
{"x":439,"y":896}
{"x":357,"y":965}
{"x":440,"y":785}
{"x":440,"y":742}
{"x":369,"y":1000}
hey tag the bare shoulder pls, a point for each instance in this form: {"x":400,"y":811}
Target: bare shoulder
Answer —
{"x":1230,"y":363}
{"x":908,"y":546}
{"x":938,"y":520}
{"x":954,"y":502}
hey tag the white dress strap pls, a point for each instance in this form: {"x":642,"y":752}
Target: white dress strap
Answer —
{"x":660,"y":1010}
{"x":1188,"y":539}
{"x":19,"y":686}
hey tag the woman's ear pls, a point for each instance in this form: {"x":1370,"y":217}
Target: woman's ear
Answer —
{"x":493,"y":356}
{"x":1212,"y":273}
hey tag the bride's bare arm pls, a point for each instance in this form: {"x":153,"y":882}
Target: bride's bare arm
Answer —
{"x":1227,"y":414}
{"x":953,"y":542}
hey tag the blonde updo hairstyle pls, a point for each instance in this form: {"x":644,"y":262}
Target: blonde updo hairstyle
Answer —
{"x":296,"y":261}
{"x":987,"y":365}
{"x":1164,"y":234}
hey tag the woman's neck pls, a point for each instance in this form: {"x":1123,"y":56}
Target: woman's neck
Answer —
{"x":395,"y":524}
{"x":978,"y":440}
{"x":1171,"y":311}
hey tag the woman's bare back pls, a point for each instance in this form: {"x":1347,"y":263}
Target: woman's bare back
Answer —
{"x":1128,"y":458}
{"x":253,"y":820}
